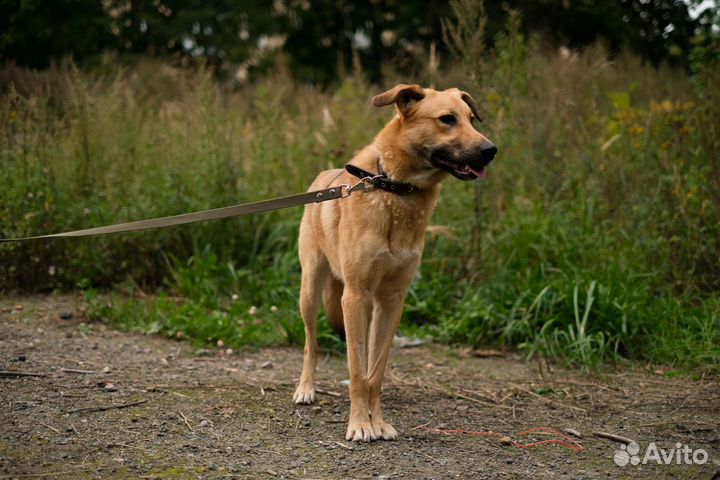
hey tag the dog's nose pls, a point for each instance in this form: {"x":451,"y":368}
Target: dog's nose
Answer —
{"x":487,"y":152}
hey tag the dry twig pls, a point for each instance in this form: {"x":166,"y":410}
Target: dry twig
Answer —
{"x":547,"y":400}
{"x":573,"y":432}
{"x":612,"y":436}
{"x":108,"y":407}
{"x":75,"y":370}
{"x":48,"y":426}
{"x":184,"y":419}
{"x":328,"y":392}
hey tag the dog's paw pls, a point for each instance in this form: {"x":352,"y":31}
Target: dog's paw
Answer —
{"x":384,"y":430}
{"x":360,"y":432}
{"x":304,"y":394}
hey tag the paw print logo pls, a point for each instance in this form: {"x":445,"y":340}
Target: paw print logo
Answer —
{"x":627,"y":454}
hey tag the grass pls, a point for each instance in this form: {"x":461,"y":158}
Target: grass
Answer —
{"x":596,"y":239}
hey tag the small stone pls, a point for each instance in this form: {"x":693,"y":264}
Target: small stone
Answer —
{"x":220,"y":344}
{"x":65,"y":315}
{"x":506,"y":440}
{"x":267,"y":365}
{"x":21,"y":358}
{"x":110,"y":387}
{"x":229,"y":352}
{"x":18,"y":307}
{"x":106,"y":370}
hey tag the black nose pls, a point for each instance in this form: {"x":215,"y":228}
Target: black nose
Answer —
{"x":487,"y":152}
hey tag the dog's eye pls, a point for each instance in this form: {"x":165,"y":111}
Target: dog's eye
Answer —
{"x":448,"y":119}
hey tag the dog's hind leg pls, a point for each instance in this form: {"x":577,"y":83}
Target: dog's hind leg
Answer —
{"x":315,"y":270}
{"x":332,"y":299}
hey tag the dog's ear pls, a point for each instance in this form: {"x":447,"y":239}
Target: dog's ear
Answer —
{"x":471,"y":103}
{"x":404,"y":96}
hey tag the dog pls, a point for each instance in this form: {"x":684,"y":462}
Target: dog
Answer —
{"x":359,"y":254}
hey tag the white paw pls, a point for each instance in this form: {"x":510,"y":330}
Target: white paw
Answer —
{"x":385,"y":431}
{"x":304,"y":394}
{"x":360,"y":432}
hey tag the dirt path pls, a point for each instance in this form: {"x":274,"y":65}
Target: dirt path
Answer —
{"x":190,"y":416}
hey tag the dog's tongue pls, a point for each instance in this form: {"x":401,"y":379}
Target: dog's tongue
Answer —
{"x":480,"y":173}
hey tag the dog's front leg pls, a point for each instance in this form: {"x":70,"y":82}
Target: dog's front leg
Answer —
{"x":386,"y":318}
{"x":356,"y":309}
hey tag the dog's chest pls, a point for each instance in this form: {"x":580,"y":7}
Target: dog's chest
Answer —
{"x":402,"y":222}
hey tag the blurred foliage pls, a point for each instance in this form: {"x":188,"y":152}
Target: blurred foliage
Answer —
{"x":323,"y":39}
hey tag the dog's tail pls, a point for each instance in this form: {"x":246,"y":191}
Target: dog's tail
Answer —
{"x":332,"y":295}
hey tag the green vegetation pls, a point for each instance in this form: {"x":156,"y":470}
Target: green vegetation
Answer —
{"x":596,"y":238}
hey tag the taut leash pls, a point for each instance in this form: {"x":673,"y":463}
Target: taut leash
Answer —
{"x":368,"y":181}
{"x":330,"y":193}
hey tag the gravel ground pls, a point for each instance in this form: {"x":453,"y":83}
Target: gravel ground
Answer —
{"x":109,"y":404}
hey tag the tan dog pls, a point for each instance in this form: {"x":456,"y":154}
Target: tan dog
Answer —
{"x":360,"y":253}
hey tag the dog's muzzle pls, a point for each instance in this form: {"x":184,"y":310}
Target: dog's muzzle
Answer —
{"x":464,"y":164}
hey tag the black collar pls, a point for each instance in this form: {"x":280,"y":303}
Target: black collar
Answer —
{"x":380,"y":180}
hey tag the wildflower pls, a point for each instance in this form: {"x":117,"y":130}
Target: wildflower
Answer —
{"x":637,"y":130}
{"x":253,"y":310}
{"x":234,"y":297}
{"x":273,"y":309}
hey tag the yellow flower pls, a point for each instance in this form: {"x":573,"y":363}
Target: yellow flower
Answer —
{"x":637,"y":130}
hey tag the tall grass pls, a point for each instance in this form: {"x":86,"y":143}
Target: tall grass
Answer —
{"x":597,"y":236}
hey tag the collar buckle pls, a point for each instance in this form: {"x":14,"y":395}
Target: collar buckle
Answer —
{"x":368,"y":181}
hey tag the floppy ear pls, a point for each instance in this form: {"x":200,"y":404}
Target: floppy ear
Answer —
{"x":471,"y":103}
{"x":402,"y":95}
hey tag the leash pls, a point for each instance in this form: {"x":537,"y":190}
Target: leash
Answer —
{"x":330,"y":193}
{"x":367,"y":181}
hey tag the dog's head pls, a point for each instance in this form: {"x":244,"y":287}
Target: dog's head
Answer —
{"x":437,"y":127}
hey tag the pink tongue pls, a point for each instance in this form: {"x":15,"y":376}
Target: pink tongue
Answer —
{"x":481,"y":173}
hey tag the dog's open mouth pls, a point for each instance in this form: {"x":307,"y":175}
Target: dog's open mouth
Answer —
{"x":463,"y":171}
